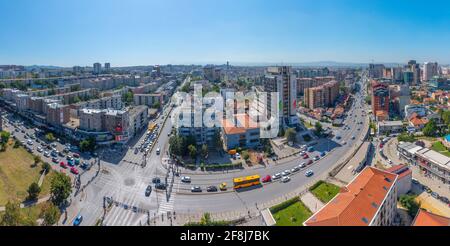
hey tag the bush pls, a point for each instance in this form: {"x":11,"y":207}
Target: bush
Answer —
{"x":284,"y":205}
{"x":314,"y":186}
{"x":409,"y":202}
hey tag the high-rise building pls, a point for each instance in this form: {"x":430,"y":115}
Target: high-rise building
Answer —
{"x":380,"y":100}
{"x":283,"y":81}
{"x":97,"y":68}
{"x":408,"y":77}
{"x":376,"y":70}
{"x":107,"y":67}
{"x":415,"y":69}
{"x":430,"y":69}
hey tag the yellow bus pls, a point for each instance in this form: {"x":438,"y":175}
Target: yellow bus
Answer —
{"x":151,"y":126}
{"x":248,"y":181}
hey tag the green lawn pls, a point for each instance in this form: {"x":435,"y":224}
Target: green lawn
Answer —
{"x":324,"y":191}
{"x":293,"y":215}
{"x":29,"y":215}
{"x":17,"y":172}
{"x":439,"y":147}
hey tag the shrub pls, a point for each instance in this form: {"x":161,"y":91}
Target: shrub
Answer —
{"x":284,"y":205}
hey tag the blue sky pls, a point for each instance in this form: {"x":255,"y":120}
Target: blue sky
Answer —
{"x":141,"y":32}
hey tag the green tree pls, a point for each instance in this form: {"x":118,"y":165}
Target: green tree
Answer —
{"x":46,"y":167}
{"x":290,"y":134}
{"x":405,"y":137}
{"x":49,"y":137}
{"x":88,"y":144}
{"x":33,"y":191}
{"x":430,"y":129}
{"x":50,"y":214}
{"x":204,"y":151}
{"x":4,"y":136}
{"x":11,"y":216}
{"x":245,"y":155}
{"x":156,"y":105}
{"x":37,"y":159}
{"x":409,"y":202}
{"x":128,"y":97}
{"x":60,"y":188}
{"x":192,"y":151}
{"x":318,"y":128}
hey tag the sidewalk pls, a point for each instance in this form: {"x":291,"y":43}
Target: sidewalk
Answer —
{"x":311,"y":202}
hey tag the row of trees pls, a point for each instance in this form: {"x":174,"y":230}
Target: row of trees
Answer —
{"x":4,"y":137}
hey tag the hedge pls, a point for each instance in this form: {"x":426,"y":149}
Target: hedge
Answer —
{"x":316,"y":185}
{"x":284,"y":205}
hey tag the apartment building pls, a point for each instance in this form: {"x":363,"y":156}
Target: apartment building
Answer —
{"x":282,"y":81}
{"x":305,"y":83}
{"x":434,"y":165}
{"x":380,"y":100}
{"x":321,"y":96}
{"x":369,"y":200}
{"x":138,"y":119}
{"x":57,"y":114}
{"x":148,"y":99}
{"x":240,"y":131}
{"x":190,"y":121}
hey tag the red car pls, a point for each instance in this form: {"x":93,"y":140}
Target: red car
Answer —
{"x":63,"y":165}
{"x":310,"y":162}
{"x":305,"y":156}
{"x":267,"y":179}
{"x":381,"y":145}
{"x":74,"y":170}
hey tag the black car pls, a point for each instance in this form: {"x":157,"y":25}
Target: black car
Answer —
{"x":196,"y":189}
{"x":160,"y":186}
{"x":148,"y":190}
{"x":211,"y":188}
{"x":156,"y":180}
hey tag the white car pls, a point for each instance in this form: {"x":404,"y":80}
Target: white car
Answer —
{"x":285,"y":179}
{"x":302,"y":165}
{"x":186,"y":179}
{"x":46,"y":154}
{"x":276,"y":176}
{"x":39,"y":149}
{"x":295,"y":169}
{"x":285,"y":173}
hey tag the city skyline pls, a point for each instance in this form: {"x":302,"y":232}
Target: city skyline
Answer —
{"x":82,"y":33}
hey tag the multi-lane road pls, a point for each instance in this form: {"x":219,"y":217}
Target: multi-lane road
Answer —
{"x":123,"y":178}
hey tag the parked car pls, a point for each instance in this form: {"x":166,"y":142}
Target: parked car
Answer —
{"x":84,"y":165}
{"x":316,"y":158}
{"x":310,"y":162}
{"x":76,"y":155}
{"x":156,"y":180}
{"x":285,"y":173}
{"x":196,"y":189}
{"x":63,"y":165}
{"x":55,"y":160}
{"x":148,"y":190}
{"x":276,"y":176}
{"x":302,"y":165}
{"x":74,"y":170}
{"x":295,"y":169}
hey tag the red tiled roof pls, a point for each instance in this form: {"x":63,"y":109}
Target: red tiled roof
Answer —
{"x":244,"y":122}
{"x":425,"y":218}
{"x":357,"y":203}
{"x":398,"y":170}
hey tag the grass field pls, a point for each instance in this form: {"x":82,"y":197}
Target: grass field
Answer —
{"x":325,"y":191}
{"x":17,"y":173}
{"x":439,"y":147}
{"x":29,"y":214}
{"x":293,"y":215}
